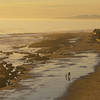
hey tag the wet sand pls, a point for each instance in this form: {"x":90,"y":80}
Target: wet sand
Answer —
{"x":13,"y":58}
{"x":87,"y":88}
{"x":56,"y":46}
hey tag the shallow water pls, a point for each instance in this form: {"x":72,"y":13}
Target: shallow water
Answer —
{"x":48,"y":80}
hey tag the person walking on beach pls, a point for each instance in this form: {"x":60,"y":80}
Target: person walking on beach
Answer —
{"x":68,"y":76}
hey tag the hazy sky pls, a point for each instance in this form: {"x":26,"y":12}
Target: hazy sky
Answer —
{"x":47,"y":8}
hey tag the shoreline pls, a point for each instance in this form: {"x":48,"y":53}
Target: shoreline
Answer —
{"x":85,"y":88}
{"x":50,"y":54}
{"x":81,"y":89}
{"x":69,"y":43}
{"x":85,"y":43}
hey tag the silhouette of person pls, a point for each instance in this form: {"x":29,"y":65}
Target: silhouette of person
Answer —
{"x":68,"y":76}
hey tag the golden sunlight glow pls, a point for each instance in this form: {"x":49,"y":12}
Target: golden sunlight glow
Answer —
{"x":47,"y":8}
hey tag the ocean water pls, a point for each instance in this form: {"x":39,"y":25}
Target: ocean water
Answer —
{"x":47,"y":25}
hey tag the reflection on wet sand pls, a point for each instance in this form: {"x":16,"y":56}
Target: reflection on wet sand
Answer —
{"x":12,"y":54}
{"x":46,"y":79}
